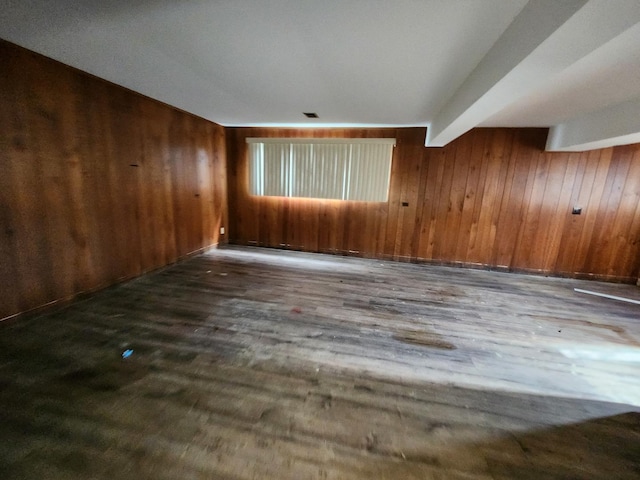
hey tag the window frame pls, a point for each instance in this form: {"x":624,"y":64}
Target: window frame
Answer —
{"x":379,"y":168}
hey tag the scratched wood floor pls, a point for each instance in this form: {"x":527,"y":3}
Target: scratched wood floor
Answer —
{"x":260,"y":364}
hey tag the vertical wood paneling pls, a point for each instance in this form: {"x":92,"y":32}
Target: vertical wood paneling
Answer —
{"x":629,"y":247}
{"x":470,"y":197}
{"x":394,"y":202}
{"x":98,"y":184}
{"x":492,"y":197}
{"x":409,"y":146}
{"x":443,"y":203}
{"x":513,"y":229}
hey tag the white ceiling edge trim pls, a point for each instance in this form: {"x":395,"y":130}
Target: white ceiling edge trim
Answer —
{"x":544,"y":39}
{"x":323,"y":125}
{"x":336,"y":141}
{"x":615,"y":125}
{"x":609,"y":142}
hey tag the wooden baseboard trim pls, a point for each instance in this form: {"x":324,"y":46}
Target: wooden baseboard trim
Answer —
{"x":450,"y":263}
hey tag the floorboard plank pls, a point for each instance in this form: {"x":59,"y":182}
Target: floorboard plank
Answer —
{"x":257,"y":363}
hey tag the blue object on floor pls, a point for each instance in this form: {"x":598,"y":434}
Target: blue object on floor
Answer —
{"x":127,"y":353}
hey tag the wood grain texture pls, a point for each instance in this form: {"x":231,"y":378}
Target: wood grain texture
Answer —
{"x":492,"y":199}
{"x":262,"y":364}
{"x":97,"y":183}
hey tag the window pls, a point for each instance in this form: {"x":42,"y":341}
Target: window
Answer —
{"x":343,"y":169}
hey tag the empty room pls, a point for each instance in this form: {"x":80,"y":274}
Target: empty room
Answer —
{"x":293,"y":239}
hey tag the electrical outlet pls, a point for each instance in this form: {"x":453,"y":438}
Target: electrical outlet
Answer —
{"x":221,"y":230}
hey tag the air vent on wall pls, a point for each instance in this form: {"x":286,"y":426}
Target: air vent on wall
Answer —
{"x":310,"y":114}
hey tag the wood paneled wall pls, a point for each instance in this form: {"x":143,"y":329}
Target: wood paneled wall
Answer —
{"x":491,"y":198}
{"x":97,"y":184}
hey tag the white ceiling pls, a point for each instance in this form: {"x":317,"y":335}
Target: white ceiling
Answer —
{"x":449,"y":64}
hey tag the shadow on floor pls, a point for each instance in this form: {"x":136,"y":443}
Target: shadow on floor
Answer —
{"x":205,"y":418}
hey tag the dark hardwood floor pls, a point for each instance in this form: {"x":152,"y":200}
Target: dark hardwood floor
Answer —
{"x":261,"y":364}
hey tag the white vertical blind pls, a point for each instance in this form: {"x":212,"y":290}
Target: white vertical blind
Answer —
{"x":343,"y":169}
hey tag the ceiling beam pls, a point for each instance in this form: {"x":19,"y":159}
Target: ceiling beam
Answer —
{"x":615,"y":125}
{"x":543,"y":40}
